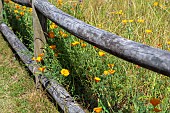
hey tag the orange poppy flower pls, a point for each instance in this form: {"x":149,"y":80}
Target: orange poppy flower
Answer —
{"x":17,"y":6}
{"x":155,"y":101}
{"x":156,"y":110}
{"x":97,"y":109}
{"x":52,"y":47}
{"x":41,"y":69}
{"x":65,"y":35}
{"x":41,"y":55}
{"x":111,"y":71}
{"x":51,"y":34}
{"x":83,"y":45}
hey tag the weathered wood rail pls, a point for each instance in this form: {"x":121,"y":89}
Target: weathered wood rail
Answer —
{"x":148,"y":57}
{"x":151,"y":58}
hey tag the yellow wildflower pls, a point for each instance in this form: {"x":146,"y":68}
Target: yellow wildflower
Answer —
{"x":30,"y":10}
{"x":33,"y":58}
{"x":22,"y":13}
{"x":120,"y":12}
{"x":101,"y":53}
{"x":130,"y":21}
{"x":10,"y":2}
{"x":140,"y":20}
{"x":61,"y":32}
{"x":97,"y":109}
{"x":41,"y":69}
{"x":75,"y":43}
{"x":59,"y":2}
{"x":148,"y":31}
{"x":106,"y":72}
{"x":52,"y":47}
{"x":65,"y":72}
{"x":24,"y":7}
{"x":39,"y":59}
{"x":97,"y":79}
{"x":163,"y":7}
{"x":64,"y":35}
{"x":168,"y":42}
{"x":124,"y":21}
{"x":15,"y":11}
{"x":155,"y":4}
{"x":53,"y":26}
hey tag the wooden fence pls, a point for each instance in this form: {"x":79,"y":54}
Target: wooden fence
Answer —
{"x":148,"y":57}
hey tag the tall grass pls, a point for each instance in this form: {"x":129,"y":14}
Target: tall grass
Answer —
{"x":96,"y":78}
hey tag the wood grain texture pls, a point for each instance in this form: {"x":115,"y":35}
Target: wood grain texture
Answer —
{"x":148,"y":57}
{"x":60,"y":95}
{"x":23,"y":2}
{"x":39,"y":28}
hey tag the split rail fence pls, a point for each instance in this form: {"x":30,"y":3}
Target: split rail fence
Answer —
{"x":148,"y":57}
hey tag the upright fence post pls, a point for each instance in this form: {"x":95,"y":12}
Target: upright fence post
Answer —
{"x":39,"y":28}
{"x":1,"y":11}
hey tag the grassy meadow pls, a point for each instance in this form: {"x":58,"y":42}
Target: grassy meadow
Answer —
{"x":100,"y":82}
{"x":17,"y":88}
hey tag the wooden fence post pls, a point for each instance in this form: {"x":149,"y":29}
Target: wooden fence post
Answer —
{"x":39,"y":28}
{"x":1,"y":11}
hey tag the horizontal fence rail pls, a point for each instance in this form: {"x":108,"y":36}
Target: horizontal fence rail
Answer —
{"x":60,"y":95}
{"x":148,"y":57}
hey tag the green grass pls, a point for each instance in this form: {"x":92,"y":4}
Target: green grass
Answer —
{"x":17,"y":89}
{"x":131,"y":87}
